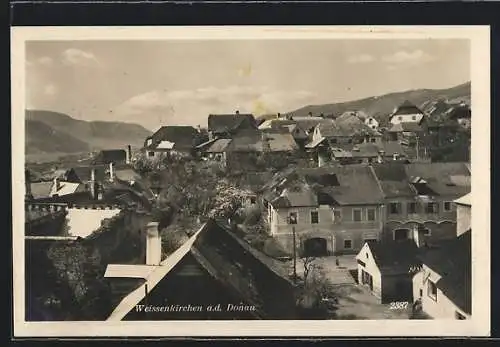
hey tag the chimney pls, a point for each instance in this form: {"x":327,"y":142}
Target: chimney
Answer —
{"x":57,"y":184}
{"x":153,"y":244}
{"x":27,"y":183}
{"x":418,"y":236}
{"x":111,"y":172}
{"x":92,"y":184}
{"x":129,"y":154}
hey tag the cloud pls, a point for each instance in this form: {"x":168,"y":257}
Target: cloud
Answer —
{"x":50,"y":89}
{"x":407,"y":58}
{"x":192,"y":107}
{"x":360,"y":59}
{"x":73,"y":56}
{"x":46,"y":61}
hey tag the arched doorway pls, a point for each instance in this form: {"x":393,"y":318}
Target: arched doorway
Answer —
{"x":315,"y":247}
{"x":401,"y":234}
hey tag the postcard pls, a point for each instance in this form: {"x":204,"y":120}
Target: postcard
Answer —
{"x":307,"y":181}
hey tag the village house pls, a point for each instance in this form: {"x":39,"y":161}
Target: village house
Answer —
{"x":172,"y":140}
{"x":387,"y":268}
{"x":406,"y":113}
{"x":228,"y":125}
{"x":213,"y":275}
{"x":369,"y":121}
{"x":331,"y":210}
{"x":418,"y":199}
{"x":369,"y":153}
{"x":298,"y":132}
{"x":443,"y":285}
{"x":116,"y":156}
{"x":462,"y":115}
{"x":248,"y":146}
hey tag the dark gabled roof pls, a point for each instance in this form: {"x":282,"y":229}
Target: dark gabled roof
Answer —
{"x":395,"y":256}
{"x":255,"y":276}
{"x":447,"y":179}
{"x":227,"y":123}
{"x":442,"y":178}
{"x":452,"y":261}
{"x":248,"y":273}
{"x":392,"y":179}
{"x":183,"y":136}
{"x":110,"y":156}
{"x":460,"y":112}
{"x":345,"y":129}
{"x":356,"y":184}
{"x":406,"y":108}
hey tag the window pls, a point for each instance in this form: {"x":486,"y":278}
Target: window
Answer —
{"x":370,"y":214}
{"x":348,"y":244}
{"x":292,"y":218}
{"x":356,"y":215}
{"x":447,"y":206}
{"x":459,"y":316}
{"x":349,"y":141}
{"x":432,"y":290}
{"x":253,"y":200}
{"x":373,"y":140}
{"x":333,"y":141}
{"x":337,"y":216}
{"x":314,"y":217}
{"x":431,"y":207}
{"x":413,"y":117}
{"x":367,"y":256}
{"x":420,"y":292}
{"x":426,"y":232}
{"x":394,"y":208}
{"x":400,"y":118}
{"x":370,"y":120}
{"x":370,"y":240}
{"x":151,"y":154}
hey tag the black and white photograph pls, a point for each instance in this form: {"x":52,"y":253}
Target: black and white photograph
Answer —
{"x":213,"y":175}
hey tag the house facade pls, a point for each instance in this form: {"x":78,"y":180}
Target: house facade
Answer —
{"x":386,"y":269}
{"x":172,"y":141}
{"x":418,"y":199}
{"x":326,"y":211}
{"x":406,"y":113}
{"x":443,"y":286}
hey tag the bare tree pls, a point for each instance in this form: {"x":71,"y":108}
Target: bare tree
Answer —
{"x":310,"y":267}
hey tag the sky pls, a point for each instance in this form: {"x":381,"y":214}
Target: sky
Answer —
{"x":175,"y":82}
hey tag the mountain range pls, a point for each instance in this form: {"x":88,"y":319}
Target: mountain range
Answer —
{"x":49,"y":132}
{"x":381,"y":107}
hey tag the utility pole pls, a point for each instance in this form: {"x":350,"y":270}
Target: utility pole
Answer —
{"x":292,"y":219}
{"x":417,"y":149}
{"x":294,"y":255}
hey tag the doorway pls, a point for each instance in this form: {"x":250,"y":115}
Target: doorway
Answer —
{"x":315,"y":247}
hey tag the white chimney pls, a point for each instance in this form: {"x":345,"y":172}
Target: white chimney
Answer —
{"x":92,"y":183}
{"x":111,"y":173}
{"x":57,"y":184}
{"x":153,"y":244}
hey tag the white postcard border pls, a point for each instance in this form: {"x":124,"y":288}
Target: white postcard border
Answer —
{"x":479,"y":325}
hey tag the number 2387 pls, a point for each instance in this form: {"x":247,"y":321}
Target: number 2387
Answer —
{"x":398,"y":305}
